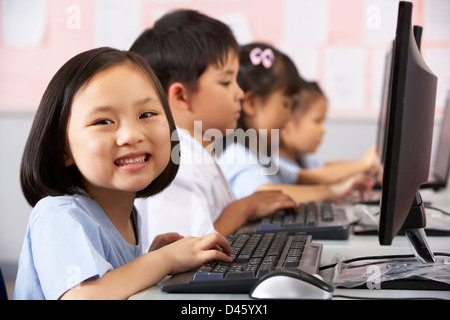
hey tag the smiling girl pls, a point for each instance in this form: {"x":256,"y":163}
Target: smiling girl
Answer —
{"x":100,"y":138}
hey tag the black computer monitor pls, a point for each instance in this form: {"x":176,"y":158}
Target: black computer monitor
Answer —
{"x":409,"y":132}
{"x":382,"y":118}
{"x":417,"y":30}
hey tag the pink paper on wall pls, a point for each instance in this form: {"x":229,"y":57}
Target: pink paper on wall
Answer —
{"x":323,"y":28}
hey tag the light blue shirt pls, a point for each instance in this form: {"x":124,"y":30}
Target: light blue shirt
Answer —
{"x":69,"y":239}
{"x":246,"y":170}
{"x":290,"y":168}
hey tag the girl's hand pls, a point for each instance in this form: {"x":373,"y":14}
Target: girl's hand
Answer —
{"x":191,"y":252}
{"x":342,"y":190}
{"x":263,"y":203}
{"x":163,"y":240}
{"x":371,"y":161}
{"x":255,"y":206}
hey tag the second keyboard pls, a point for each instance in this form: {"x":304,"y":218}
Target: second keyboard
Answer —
{"x":322,"y":220}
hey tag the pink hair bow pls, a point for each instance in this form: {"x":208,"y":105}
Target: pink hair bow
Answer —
{"x":265,"y":57}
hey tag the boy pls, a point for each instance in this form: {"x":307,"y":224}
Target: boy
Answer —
{"x":196,"y":59}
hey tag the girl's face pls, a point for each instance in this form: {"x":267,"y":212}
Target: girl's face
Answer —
{"x":118,"y":135}
{"x":304,"y":133}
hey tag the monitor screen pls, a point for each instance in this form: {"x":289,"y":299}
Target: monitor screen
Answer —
{"x":382,"y":119}
{"x":409,"y":132}
{"x":442,"y":164}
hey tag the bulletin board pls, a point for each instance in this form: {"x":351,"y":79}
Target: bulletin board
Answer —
{"x":342,"y":44}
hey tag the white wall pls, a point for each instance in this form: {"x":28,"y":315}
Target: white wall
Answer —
{"x":14,"y":209}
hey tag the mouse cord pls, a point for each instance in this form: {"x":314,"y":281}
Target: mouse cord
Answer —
{"x":378,"y":258}
{"x":437,"y":209}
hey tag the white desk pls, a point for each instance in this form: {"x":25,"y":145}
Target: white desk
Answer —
{"x":355,"y":246}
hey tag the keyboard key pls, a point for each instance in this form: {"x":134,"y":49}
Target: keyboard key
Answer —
{"x":206,"y":268}
{"x":201,"y":276}
{"x":240,"y":275}
{"x":291,"y":263}
{"x":311,"y":214}
{"x":293,"y":225}
{"x":327,"y":212}
{"x":269,"y":226}
{"x":301,"y":215}
{"x":249,"y":248}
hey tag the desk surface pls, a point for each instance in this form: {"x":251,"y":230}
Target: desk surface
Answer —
{"x":355,"y":246}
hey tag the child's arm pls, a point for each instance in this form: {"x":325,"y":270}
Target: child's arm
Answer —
{"x":331,"y":173}
{"x":302,"y":193}
{"x":252,"y":207}
{"x":150,"y":268}
{"x":163,"y":240}
{"x":338,"y":171}
{"x":320,"y":192}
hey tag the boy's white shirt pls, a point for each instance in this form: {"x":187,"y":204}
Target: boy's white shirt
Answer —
{"x":194,"y":200}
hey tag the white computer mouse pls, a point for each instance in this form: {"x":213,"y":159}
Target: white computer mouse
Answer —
{"x":291,"y":284}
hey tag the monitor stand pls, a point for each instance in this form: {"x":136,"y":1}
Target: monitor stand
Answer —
{"x":415,"y":233}
{"x":419,"y":272}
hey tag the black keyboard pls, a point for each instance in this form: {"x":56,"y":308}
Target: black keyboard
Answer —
{"x":253,"y":256}
{"x":320,"y":220}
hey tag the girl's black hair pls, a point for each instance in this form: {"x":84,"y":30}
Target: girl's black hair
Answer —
{"x":182,"y":44}
{"x":42,"y":171}
{"x":261,"y":80}
{"x":310,"y":92}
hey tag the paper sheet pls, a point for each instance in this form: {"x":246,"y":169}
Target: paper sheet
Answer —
{"x":240,"y":26}
{"x":305,"y":21}
{"x":378,"y":78}
{"x":305,"y":59}
{"x":344,"y":80}
{"x":438,"y":60}
{"x":117,"y":23}
{"x":437,"y":20}
{"x":23,"y":22}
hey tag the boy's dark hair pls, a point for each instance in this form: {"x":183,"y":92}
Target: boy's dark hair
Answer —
{"x":43,"y":172}
{"x":182,"y":44}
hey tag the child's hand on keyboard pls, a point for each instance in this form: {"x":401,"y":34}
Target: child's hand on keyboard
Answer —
{"x":371,"y":161}
{"x":263,"y":203}
{"x":191,"y":252}
{"x":164,"y":239}
{"x":342,"y":190}
{"x":257,"y":205}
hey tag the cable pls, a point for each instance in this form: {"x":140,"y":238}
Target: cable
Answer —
{"x":383,"y":257}
{"x":437,"y":209}
{"x":402,"y":256}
